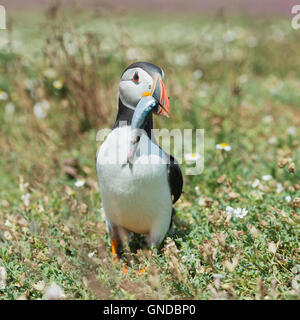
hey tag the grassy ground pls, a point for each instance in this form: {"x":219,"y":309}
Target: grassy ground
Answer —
{"x":239,"y":79}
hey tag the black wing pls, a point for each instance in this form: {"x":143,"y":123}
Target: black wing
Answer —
{"x":175,"y":179}
{"x":174,"y":174}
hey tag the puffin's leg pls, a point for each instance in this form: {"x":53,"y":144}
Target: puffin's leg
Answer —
{"x":114,"y":239}
{"x":114,"y":232}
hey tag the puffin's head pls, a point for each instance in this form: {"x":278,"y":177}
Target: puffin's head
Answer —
{"x":142,"y":79}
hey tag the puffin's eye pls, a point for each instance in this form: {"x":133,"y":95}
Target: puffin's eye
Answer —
{"x":136,"y":77}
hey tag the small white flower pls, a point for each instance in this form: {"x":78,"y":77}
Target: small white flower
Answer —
{"x":197,"y":74}
{"x":272,"y":140}
{"x":201,"y":202}
{"x":26,"y":199}
{"x":229,"y":36}
{"x":223,"y":146}
{"x":279,"y":187}
{"x":40,"y":109}
{"x":91,"y":254}
{"x":79,"y":183}
{"x":197,"y":190}
{"x":58,"y":84}
{"x":256,"y":183}
{"x":54,"y":292}
{"x":229,"y":210}
{"x":39,"y":286}
{"x":288,"y":199}
{"x":238,"y":212}
{"x":291,"y":131}
{"x":7,"y":223}
{"x":3,"y":95}
{"x":9,"y":108}
{"x":267,"y":177}
{"x":191,"y":158}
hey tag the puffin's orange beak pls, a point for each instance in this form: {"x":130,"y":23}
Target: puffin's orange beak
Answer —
{"x":159,"y":93}
{"x":164,"y":101}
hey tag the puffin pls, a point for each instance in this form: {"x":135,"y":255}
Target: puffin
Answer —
{"x":139,"y":182}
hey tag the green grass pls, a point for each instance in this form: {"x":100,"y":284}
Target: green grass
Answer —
{"x":247,"y":97}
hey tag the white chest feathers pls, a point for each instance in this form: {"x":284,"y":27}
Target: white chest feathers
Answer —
{"x":136,"y":197}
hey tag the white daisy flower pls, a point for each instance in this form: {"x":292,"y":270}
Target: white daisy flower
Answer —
{"x":267,"y":177}
{"x":272,"y":140}
{"x":40,"y":109}
{"x":7,"y":223}
{"x":291,"y":131}
{"x":3,"y":95}
{"x":223,"y":146}
{"x":201,"y":202}
{"x":91,"y":254}
{"x":26,"y":199}
{"x":197,"y":74}
{"x":229,"y":36}
{"x":279,"y":188}
{"x":191,"y":158}
{"x":79,"y":183}
{"x":58,"y":84}
{"x":256,"y":183}
{"x":9,"y":108}
{"x":288,"y":199}
{"x":238,"y":212}
{"x":241,"y":213}
{"x":229,"y":210}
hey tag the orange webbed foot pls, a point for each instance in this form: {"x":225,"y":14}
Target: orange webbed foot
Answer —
{"x":114,"y":247}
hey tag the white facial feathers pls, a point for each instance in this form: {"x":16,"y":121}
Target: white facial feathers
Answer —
{"x":133,"y":84}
